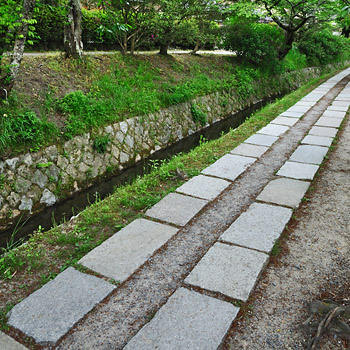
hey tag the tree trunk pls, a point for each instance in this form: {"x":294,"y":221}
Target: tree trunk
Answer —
{"x":163,"y":49}
{"x":133,"y":45}
{"x":196,"y":48}
{"x":73,"y":46}
{"x":288,"y":44}
{"x":7,"y":81}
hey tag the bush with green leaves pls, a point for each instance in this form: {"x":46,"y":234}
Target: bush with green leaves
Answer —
{"x":323,"y":47}
{"x":257,"y":43}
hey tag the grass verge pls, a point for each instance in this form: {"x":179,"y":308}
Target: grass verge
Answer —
{"x":28,"y":267}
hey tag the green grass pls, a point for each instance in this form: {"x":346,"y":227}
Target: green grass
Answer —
{"x":126,"y":87}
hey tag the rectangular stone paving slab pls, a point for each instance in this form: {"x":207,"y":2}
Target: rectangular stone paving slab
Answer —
{"x":334,"y":114}
{"x":285,"y":121}
{"x":288,"y":192}
{"x":188,"y":321}
{"x":299,"y":171}
{"x":204,"y":187}
{"x":7,"y":343}
{"x":331,"y":122}
{"x":230,"y":270}
{"x":261,"y":140}
{"x":337,"y":108}
{"x":122,"y":254}
{"x":259,"y":227}
{"x":341,"y":103}
{"x":176,"y":208}
{"x":309,"y":154}
{"x":273,"y":129}
{"x":317,"y":140}
{"x":292,"y":114}
{"x":296,"y":108}
{"x":246,"y":149}
{"x":50,"y":312}
{"x":323,"y":131}
{"x":229,"y":166}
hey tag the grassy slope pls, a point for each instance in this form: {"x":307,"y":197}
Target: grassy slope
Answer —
{"x":30,"y":266}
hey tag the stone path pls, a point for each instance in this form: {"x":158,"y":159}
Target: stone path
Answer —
{"x":218,"y":229}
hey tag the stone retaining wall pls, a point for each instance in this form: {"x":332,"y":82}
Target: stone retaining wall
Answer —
{"x":33,"y":181}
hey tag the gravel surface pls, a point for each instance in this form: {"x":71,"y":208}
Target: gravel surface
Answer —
{"x":313,"y":265}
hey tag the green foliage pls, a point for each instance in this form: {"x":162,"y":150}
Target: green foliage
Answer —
{"x":322,"y":47}
{"x":198,"y":115}
{"x":101,"y":143}
{"x":25,"y":128}
{"x":294,"y":60}
{"x":255,"y":42}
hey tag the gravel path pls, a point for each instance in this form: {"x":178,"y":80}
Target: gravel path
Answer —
{"x":314,"y":264}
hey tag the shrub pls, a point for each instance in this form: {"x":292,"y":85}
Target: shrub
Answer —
{"x":294,"y":60}
{"x":323,"y":47}
{"x":255,"y":42}
{"x":101,"y":143}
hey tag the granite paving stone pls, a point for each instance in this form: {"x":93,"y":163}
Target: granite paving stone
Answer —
{"x":334,"y":114}
{"x":292,"y":114}
{"x":176,"y":208}
{"x":230,"y":166}
{"x":305,"y":103}
{"x":331,"y":122}
{"x":317,"y":140}
{"x":341,"y":103}
{"x":259,"y":227}
{"x":204,"y":187}
{"x":299,"y":171}
{"x":7,"y":343}
{"x":285,"y":121}
{"x":188,"y":321}
{"x":309,"y":154}
{"x":123,"y":253}
{"x":246,"y":149}
{"x":337,"y":108}
{"x":342,"y":97}
{"x":296,"y":108}
{"x":323,"y":131}
{"x":273,"y":129}
{"x":262,"y":140}
{"x":283,"y":191}
{"x":232,"y":271}
{"x":50,"y":312}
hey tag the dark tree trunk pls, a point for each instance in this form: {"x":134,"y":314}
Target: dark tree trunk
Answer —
{"x":133,"y":45}
{"x":7,"y":81}
{"x":288,"y":44}
{"x":163,"y":49}
{"x":73,"y":46}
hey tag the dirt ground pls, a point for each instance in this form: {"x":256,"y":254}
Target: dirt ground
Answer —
{"x":313,"y":264}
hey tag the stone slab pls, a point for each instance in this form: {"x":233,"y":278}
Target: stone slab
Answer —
{"x":331,"y":122}
{"x":317,"y":140}
{"x":343,"y":97}
{"x":261,"y":140}
{"x":300,"y":109}
{"x":204,"y":187}
{"x":229,"y":166}
{"x":176,"y":208}
{"x":259,"y":227}
{"x":305,"y":103}
{"x":273,"y":129}
{"x":285,"y":121}
{"x":50,"y":312}
{"x":187,"y":321}
{"x":292,"y":114}
{"x":309,"y":154}
{"x":337,"y":108}
{"x":7,"y":343}
{"x":246,"y":149}
{"x":323,"y":131}
{"x":341,"y":103}
{"x":334,"y":114}
{"x":299,"y":171}
{"x":123,"y":253}
{"x":284,"y":191}
{"x":230,"y":270}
